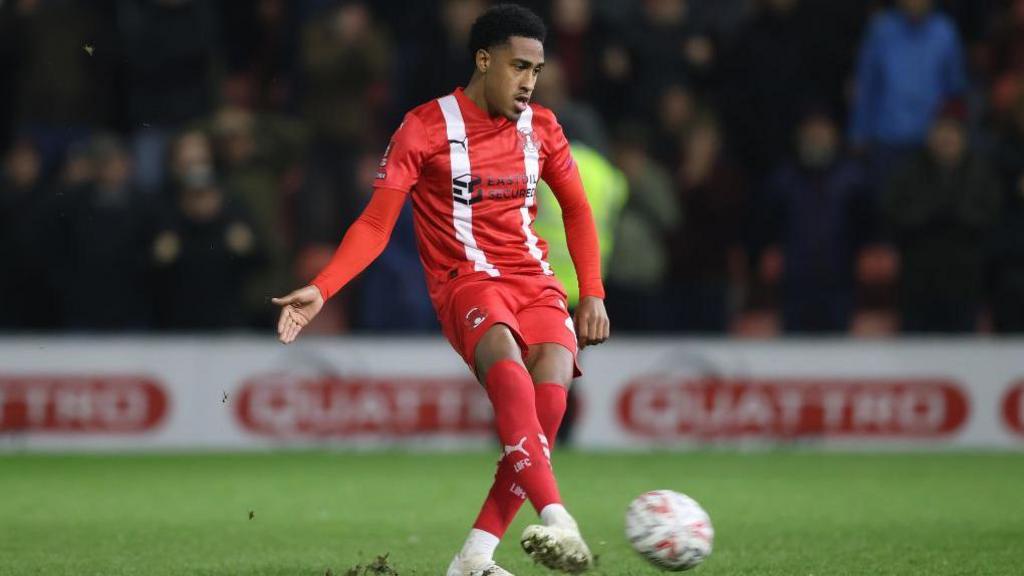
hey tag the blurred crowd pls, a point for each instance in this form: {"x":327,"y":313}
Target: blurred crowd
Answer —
{"x":757,"y":167}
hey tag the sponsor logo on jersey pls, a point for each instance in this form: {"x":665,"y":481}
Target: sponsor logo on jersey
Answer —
{"x":469,"y":189}
{"x":465,"y":189}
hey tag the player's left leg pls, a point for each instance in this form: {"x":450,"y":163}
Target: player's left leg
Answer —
{"x":551,"y":369}
{"x":499,"y":366}
{"x":490,"y":338}
{"x":557,"y":542}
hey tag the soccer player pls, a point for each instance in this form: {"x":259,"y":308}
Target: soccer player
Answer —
{"x":471,"y":161}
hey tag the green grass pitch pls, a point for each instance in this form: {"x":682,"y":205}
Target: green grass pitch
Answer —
{"x":778,"y":513}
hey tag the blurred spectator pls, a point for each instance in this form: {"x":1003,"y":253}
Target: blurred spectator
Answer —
{"x":204,"y":248}
{"x":671,"y":46}
{"x":62,"y":59}
{"x":169,"y":57}
{"x":721,"y":18}
{"x":766,"y":79}
{"x":30,"y":300}
{"x":941,"y":206}
{"x":1008,"y":246}
{"x":607,"y":192}
{"x":436,"y":59}
{"x":11,"y":59}
{"x":105,"y":246}
{"x":637,"y":286}
{"x":613,"y":87}
{"x":392,"y":292}
{"x":345,"y":60}
{"x":345,"y":63}
{"x":818,"y":209}
{"x":676,"y":107}
{"x":1007,"y":65}
{"x":260,"y":42}
{"x":910,"y":63}
{"x":580,"y":122}
{"x":259,"y":157}
{"x":574,"y":38}
{"x":705,"y":250}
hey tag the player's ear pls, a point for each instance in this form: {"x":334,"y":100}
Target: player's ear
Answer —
{"x":483,"y":60}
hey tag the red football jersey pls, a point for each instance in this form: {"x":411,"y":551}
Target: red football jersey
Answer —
{"x":473,"y":181}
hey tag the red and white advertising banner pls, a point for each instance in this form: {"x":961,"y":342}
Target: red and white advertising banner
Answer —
{"x":241,"y":393}
{"x":900,"y":394}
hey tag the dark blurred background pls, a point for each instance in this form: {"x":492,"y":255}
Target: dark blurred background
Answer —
{"x":757,"y":167}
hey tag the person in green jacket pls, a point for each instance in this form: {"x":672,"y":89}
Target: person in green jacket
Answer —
{"x":606,"y":191}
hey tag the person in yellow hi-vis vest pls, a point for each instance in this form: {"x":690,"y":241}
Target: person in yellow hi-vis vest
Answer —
{"x":607,"y":191}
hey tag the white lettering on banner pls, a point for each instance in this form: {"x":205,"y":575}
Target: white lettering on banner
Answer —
{"x":790,"y":404}
{"x":663,"y":406}
{"x":73,"y":405}
{"x":37,"y":402}
{"x":282,"y":405}
{"x":450,"y":405}
{"x":914,"y":410}
{"x":754,"y":409}
{"x":80,"y":404}
{"x":268,"y":406}
{"x":834,"y":402}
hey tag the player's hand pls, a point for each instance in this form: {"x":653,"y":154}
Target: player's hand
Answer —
{"x":297,"y":310}
{"x":592,"y":325}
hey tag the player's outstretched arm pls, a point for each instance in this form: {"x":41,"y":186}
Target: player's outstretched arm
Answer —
{"x":364,"y":241}
{"x":297,"y":310}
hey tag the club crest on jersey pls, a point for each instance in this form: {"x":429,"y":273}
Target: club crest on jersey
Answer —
{"x":528,"y":141}
{"x":475,"y":317}
{"x":465,"y":189}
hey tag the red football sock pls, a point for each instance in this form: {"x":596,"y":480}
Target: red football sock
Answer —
{"x":551,"y":399}
{"x":506,"y":496}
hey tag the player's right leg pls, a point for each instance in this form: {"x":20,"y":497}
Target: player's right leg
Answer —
{"x":498,"y":363}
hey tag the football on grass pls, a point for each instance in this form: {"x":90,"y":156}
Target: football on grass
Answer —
{"x":669,"y":529}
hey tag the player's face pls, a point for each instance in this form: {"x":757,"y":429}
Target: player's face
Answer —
{"x":512,"y":74}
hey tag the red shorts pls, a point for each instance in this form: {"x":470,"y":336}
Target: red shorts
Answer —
{"x":533,"y":307}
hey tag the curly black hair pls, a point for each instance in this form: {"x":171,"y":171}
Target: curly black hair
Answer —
{"x":502,"y":21}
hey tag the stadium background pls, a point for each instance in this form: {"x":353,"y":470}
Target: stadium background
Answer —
{"x":812,"y":218}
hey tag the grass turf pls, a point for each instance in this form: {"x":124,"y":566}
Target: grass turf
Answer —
{"x":774,"y":513}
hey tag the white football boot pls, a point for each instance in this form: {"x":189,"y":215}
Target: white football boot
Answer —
{"x":559,"y":547}
{"x":475,"y":566}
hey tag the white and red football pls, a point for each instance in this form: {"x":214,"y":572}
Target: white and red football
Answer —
{"x":669,"y":529}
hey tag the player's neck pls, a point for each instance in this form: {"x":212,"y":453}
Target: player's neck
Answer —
{"x":475,"y":92}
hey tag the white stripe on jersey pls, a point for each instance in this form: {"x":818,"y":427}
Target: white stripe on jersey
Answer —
{"x":462,"y":212}
{"x":531,"y":157}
